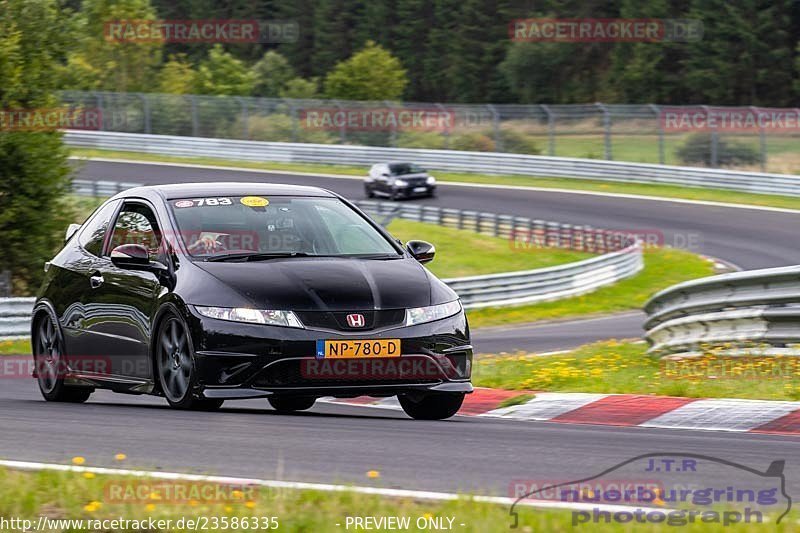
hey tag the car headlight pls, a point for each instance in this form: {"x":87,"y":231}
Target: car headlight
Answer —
{"x":252,"y":316}
{"x":420,"y":315}
{"x":431,"y":180}
{"x":400,"y":183}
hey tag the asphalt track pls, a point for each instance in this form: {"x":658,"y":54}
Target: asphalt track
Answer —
{"x":336,"y":443}
{"x":340,"y":444}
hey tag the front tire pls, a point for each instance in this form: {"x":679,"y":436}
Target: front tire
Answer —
{"x":176,"y":369}
{"x":432,"y":406}
{"x":51,"y":364}
{"x":369,"y":192}
{"x":289,"y":404}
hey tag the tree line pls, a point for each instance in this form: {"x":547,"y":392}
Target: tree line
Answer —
{"x":448,"y":51}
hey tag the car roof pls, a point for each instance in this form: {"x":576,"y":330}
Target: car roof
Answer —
{"x":191,"y":190}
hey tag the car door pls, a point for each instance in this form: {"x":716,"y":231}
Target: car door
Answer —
{"x":126,"y":298}
{"x":75,"y":279}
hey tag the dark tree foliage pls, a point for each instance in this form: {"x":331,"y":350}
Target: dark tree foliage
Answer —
{"x":34,"y":174}
{"x":460,"y":50}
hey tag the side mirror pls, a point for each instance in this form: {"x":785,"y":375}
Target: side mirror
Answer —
{"x":421,"y":250}
{"x":384,"y":175}
{"x":71,"y":230}
{"x":130,"y":256}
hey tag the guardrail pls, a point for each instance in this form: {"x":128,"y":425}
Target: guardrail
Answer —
{"x":751,"y":307}
{"x":100,"y":189}
{"x":483,"y":162}
{"x":15,"y":317}
{"x":621,"y":257}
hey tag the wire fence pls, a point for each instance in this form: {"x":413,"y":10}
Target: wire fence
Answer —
{"x":743,"y":137}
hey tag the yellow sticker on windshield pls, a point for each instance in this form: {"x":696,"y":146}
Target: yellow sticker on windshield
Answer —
{"x":254,"y":201}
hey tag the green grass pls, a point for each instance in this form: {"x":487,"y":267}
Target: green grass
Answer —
{"x":466,"y":253}
{"x":663,"y":267}
{"x":15,"y":347}
{"x":63,"y":495}
{"x":661,"y":191}
{"x":626,"y":368}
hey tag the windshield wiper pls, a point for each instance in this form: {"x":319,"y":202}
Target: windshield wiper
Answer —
{"x":379,"y":257}
{"x":258,"y":256}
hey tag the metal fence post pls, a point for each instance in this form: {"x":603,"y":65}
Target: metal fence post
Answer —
{"x":660,"y":127}
{"x":293,"y":115}
{"x":343,"y":127}
{"x":146,"y":108}
{"x":762,"y":142}
{"x":447,"y":129}
{"x":551,"y":130}
{"x":714,"y":156}
{"x":606,"y":130}
{"x":498,"y":140}
{"x":99,"y":98}
{"x":195,"y":123}
{"x":393,"y":131}
{"x":245,"y":118}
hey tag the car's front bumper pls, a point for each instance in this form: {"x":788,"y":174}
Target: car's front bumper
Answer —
{"x":239,"y":360}
{"x":416,"y":190}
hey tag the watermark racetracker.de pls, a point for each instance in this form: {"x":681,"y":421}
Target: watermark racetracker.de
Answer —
{"x":669,"y":488}
{"x":605,"y":30}
{"x":201,"y":31}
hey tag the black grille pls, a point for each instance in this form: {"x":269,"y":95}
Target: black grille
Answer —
{"x":337,"y":320}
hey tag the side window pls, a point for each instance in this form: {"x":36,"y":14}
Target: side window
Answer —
{"x":94,"y":230}
{"x":136,"y":224}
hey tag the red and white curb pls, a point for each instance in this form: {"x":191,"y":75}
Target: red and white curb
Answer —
{"x":753,"y":416}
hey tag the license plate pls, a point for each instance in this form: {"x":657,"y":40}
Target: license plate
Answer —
{"x":420,"y":189}
{"x":358,"y":349}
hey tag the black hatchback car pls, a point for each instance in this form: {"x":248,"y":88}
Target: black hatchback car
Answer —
{"x":203,"y":293}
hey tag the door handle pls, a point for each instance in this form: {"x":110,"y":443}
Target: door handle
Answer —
{"x":96,"y":280}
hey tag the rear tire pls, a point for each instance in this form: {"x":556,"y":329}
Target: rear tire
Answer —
{"x":434,"y":406}
{"x":290,"y":404}
{"x":51,"y":364}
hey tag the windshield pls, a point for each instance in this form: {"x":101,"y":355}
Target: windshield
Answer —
{"x":405,"y":168}
{"x":275,"y":226}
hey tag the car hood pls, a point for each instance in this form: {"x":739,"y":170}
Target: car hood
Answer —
{"x":326,"y":284}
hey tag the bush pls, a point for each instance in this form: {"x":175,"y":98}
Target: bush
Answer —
{"x":696,"y":150}
{"x":421,"y":139}
{"x":515,"y":142}
{"x":472,"y":142}
{"x":279,"y":128}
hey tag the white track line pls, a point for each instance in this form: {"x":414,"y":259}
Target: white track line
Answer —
{"x":455,"y":183}
{"x":238,"y":481}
